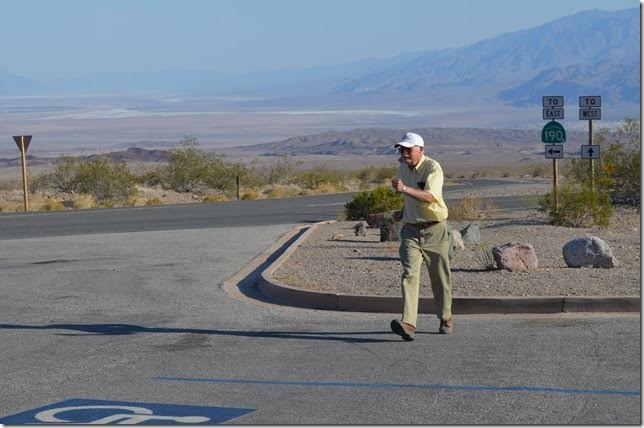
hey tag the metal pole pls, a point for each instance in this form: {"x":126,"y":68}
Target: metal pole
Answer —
{"x":24,"y":172}
{"x":554,"y":188}
{"x":237,"y":180}
{"x":592,"y":161}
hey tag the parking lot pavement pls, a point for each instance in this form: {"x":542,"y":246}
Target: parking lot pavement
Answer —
{"x":141,"y":328}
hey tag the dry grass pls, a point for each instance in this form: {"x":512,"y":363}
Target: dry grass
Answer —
{"x":471,"y":207}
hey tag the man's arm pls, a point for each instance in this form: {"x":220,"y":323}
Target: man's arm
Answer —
{"x":420,"y":195}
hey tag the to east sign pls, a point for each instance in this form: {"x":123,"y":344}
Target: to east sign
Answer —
{"x":553,"y":101}
{"x":553,"y":113}
{"x":553,"y":133}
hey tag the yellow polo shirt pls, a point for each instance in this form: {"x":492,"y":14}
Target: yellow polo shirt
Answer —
{"x":426,"y":175}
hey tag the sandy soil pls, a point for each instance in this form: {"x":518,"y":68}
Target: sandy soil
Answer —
{"x":363,"y":265}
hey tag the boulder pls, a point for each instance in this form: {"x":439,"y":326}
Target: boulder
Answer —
{"x":374,"y":219}
{"x":471,"y":234}
{"x":360,"y":229}
{"x":455,"y":243}
{"x":515,"y":257}
{"x":588,"y":251}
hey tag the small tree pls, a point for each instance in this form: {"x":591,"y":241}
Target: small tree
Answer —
{"x":109,"y":181}
{"x":381,"y":199}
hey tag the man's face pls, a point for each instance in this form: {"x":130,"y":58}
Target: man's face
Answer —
{"x":410,"y":155}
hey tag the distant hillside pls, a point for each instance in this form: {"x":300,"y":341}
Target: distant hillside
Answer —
{"x":132,"y":154}
{"x":377,"y":141}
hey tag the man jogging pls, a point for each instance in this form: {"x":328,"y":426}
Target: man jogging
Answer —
{"x":425,"y":235}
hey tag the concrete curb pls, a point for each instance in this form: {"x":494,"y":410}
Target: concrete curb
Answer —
{"x":274,"y":289}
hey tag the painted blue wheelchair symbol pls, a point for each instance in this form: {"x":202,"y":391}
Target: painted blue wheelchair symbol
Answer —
{"x":77,"y":411}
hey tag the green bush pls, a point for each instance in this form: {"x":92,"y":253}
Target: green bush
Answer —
{"x":190,"y":169}
{"x":618,"y":170}
{"x":381,"y":199}
{"x":578,"y":207}
{"x":109,"y":181}
{"x":63,"y":179}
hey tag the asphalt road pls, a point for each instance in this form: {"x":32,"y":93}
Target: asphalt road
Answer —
{"x":140,"y":319}
{"x":308,"y":209}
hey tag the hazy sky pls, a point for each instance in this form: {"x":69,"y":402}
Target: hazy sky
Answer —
{"x":76,"y":37}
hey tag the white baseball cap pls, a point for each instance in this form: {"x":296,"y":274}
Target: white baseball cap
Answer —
{"x":410,"y":140}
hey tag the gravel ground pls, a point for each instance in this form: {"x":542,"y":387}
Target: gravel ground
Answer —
{"x":363,"y":265}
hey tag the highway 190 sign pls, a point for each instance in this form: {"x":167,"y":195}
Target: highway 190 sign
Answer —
{"x":553,"y":133}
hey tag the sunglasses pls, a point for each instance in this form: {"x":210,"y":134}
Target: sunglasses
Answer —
{"x":402,"y":149}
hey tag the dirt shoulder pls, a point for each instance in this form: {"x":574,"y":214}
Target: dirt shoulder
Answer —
{"x":363,"y":265}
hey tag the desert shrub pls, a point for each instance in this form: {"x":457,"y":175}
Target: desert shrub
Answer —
{"x":539,"y":171}
{"x":51,"y":206}
{"x":316,"y":177}
{"x":282,"y":170}
{"x":153,"y":201}
{"x":107,"y":180}
{"x":329,"y":188}
{"x":62,"y":179}
{"x":381,"y":199}
{"x":371,"y":175}
{"x":618,"y":170}
{"x":578,"y":206}
{"x":470,"y":207}
{"x":485,"y":258}
{"x":151,"y":178}
{"x":190,"y":169}
{"x":214,"y":198}
{"x":279,"y":191}
{"x":250,"y":195}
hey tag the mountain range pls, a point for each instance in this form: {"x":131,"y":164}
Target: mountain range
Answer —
{"x":591,"y":52}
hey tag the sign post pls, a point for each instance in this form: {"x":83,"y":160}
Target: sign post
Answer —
{"x":589,"y":109}
{"x":22,"y":141}
{"x":553,"y":134}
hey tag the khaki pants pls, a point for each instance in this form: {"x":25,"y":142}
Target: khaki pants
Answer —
{"x":432,"y":246}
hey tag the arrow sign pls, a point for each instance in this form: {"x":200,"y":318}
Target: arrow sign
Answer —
{"x":589,"y":151}
{"x":554,"y":151}
{"x":27,"y":139}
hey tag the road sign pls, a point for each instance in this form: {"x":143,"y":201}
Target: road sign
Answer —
{"x":590,"y":151}
{"x":553,"y":101}
{"x":553,"y":113}
{"x":554,"y":151}
{"x":553,"y":133}
{"x":594,"y":101}
{"x":27,"y":139}
{"x":590,"y":113}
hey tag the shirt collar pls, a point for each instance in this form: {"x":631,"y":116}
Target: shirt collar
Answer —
{"x":420,"y":162}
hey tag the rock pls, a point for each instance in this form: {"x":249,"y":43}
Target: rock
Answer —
{"x":337,"y":236}
{"x":373,"y":220}
{"x":515,"y":257}
{"x":389,"y":229}
{"x":455,"y":242}
{"x":69,"y":203}
{"x":588,"y":251}
{"x":471,"y":234}
{"x":360,"y":229}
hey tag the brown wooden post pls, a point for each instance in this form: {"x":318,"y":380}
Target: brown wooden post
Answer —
{"x":23,"y":152}
{"x":555,"y":192}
